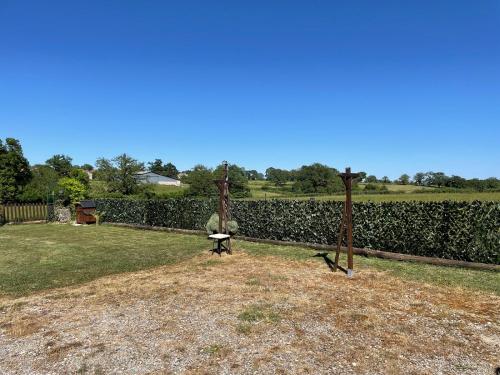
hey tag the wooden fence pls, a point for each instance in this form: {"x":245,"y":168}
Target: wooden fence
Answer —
{"x":24,"y":212}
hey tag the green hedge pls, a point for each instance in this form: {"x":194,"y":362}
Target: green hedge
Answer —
{"x":183,"y":213}
{"x":467,"y":231}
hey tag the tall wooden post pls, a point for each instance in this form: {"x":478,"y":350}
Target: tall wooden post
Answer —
{"x":346,"y":222}
{"x":223,"y":185}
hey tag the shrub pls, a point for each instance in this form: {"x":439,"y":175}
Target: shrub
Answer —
{"x":213,"y":225}
{"x":73,"y":189}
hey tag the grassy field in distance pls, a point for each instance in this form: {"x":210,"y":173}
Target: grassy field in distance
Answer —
{"x":399,"y":193}
{"x":160,"y":189}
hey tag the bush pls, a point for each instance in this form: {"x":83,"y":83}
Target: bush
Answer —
{"x":375,"y":188}
{"x":213,"y":225}
{"x":455,"y":230}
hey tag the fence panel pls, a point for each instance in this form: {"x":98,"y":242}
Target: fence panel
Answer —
{"x":15,"y":212}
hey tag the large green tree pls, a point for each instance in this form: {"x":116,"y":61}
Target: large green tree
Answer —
{"x":404,"y":179}
{"x":41,"y":186}
{"x":238,"y":181}
{"x":317,"y":178}
{"x":119,"y":173}
{"x":277,"y":176}
{"x":200,"y":181}
{"x":62,"y":164}
{"x":168,"y":170}
{"x":15,"y":172}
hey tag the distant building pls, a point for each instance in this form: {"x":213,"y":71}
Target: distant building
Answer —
{"x":146,"y":177}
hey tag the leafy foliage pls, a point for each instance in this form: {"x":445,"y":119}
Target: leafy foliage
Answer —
{"x":168,"y":170}
{"x":43,"y":183}
{"x":317,"y":179}
{"x":238,"y":180}
{"x":73,"y":190}
{"x":119,"y":174}
{"x":213,"y":225}
{"x":62,"y":164}
{"x":467,"y":231}
{"x":404,"y":179}
{"x":440,"y":179}
{"x":277,"y":176}
{"x":14,"y":170}
{"x":201,"y":183}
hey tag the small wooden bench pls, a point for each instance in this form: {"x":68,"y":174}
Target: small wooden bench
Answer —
{"x":218,"y":243}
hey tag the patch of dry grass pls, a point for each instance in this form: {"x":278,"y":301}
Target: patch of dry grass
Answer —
{"x":243,"y":314}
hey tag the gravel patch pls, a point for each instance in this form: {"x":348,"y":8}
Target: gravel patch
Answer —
{"x":246,"y":315}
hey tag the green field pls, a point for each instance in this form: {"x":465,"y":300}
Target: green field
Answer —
{"x":397,"y":193}
{"x":166,"y":189}
{"x":43,"y":256}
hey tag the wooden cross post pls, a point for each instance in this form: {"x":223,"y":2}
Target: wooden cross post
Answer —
{"x":346,"y":222}
{"x":223,"y":185}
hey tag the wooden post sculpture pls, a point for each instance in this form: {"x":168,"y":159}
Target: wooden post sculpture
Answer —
{"x":346,"y":222}
{"x":223,"y":185}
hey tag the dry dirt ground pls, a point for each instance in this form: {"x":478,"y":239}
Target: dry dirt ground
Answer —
{"x":249,"y":315}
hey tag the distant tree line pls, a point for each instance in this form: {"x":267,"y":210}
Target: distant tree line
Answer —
{"x":440,"y":180}
{"x":58,"y":178}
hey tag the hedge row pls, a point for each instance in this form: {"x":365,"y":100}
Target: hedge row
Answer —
{"x":468,"y":231}
{"x":183,"y":213}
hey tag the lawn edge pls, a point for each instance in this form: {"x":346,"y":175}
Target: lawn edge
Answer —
{"x":358,"y":251}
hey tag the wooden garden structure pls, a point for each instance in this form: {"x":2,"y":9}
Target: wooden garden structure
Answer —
{"x":85,"y":211}
{"x":222,"y":239}
{"x":345,"y":228}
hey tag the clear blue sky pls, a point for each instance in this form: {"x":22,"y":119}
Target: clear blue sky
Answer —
{"x":383,"y":86}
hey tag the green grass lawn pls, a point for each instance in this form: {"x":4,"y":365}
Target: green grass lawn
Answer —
{"x":43,"y":256}
{"x":35,"y":257}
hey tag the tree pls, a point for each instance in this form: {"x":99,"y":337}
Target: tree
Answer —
{"x":317,"y":178}
{"x":254,"y":175}
{"x":15,"y":172}
{"x":371,"y":179}
{"x":73,"y":190}
{"x":119,"y":173}
{"x":168,"y":170}
{"x":80,"y":175}
{"x":156,"y":166}
{"x":87,"y":167}
{"x":404,"y":179}
{"x":171,"y":170}
{"x":456,"y":182}
{"x":439,"y":179}
{"x":201,"y":183}
{"x":62,"y":164}
{"x":386,"y":180}
{"x":418,"y":179}
{"x":43,"y":183}
{"x":238,"y":181}
{"x":277,"y":176}
{"x":362,"y":176}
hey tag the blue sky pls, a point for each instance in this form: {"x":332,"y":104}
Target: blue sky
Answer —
{"x":386,"y":87}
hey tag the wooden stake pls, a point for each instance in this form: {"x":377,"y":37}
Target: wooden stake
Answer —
{"x":346,"y":222}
